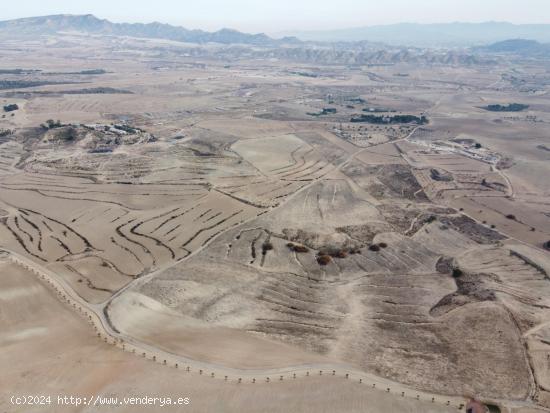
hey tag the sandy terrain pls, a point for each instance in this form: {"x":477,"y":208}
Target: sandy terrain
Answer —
{"x":212,"y":215}
{"x":46,"y":347}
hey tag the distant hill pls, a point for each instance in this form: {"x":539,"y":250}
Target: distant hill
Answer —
{"x":433,"y":35}
{"x":91,"y":24}
{"x":518,"y":46}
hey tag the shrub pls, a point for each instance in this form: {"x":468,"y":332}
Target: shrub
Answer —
{"x":511,"y":216}
{"x":51,"y":124}
{"x":383,"y":245}
{"x":547,"y":245}
{"x":11,"y":107}
{"x":511,"y":107}
{"x":374,"y":247}
{"x":340,"y":254}
{"x":301,"y":248}
{"x":389,"y":120}
{"x":324,"y":259}
{"x":69,"y":134}
{"x":297,"y":248}
{"x":266,"y":246}
{"x":457,"y":272}
{"x":334,"y":252}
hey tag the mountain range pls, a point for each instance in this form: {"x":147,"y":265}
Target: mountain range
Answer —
{"x":402,"y":35}
{"x":90,"y":24}
{"x":407,"y":40}
{"x":432,"y":35}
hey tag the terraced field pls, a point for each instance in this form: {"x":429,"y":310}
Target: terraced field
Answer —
{"x":395,"y":301}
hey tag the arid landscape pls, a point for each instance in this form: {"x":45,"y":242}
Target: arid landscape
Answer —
{"x":262,"y":228}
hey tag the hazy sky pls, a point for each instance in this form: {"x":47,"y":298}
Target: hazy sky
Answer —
{"x":279,"y":15}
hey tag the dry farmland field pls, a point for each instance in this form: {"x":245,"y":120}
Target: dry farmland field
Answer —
{"x":231,"y":230}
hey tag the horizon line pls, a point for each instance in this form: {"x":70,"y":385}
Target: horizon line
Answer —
{"x":227,"y":27}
